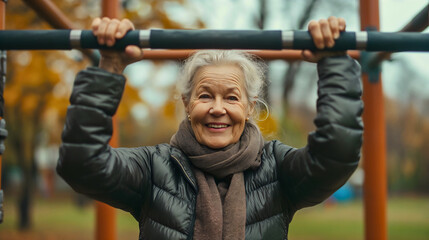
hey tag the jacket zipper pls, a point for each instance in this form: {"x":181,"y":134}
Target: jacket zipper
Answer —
{"x":184,"y":171}
{"x":191,"y":235}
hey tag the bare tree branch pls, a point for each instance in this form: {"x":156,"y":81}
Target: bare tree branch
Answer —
{"x":290,"y":75}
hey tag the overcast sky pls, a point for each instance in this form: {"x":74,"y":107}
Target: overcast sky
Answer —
{"x":394,"y":14}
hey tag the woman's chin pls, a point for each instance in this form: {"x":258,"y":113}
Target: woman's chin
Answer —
{"x":216,"y":143}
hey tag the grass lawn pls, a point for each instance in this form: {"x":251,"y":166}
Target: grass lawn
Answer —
{"x":408,"y":218}
{"x":59,"y":218}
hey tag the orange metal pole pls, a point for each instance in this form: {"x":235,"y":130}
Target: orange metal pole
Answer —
{"x":110,"y":8}
{"x":106,"y":215}
{"x":419,"y":23}
{"x":2,"y":26}
{"x":105,"y":228}
{"x":50,"y":12}
{"x":290,"y":55}
{"x":47,"y":10}
{"x":374,"y":144}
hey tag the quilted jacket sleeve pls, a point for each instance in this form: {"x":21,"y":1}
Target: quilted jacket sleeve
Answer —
{"x":310,"y":174}
{"x":87,"y":162}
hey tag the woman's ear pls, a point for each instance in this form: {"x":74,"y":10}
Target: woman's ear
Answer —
{"x":252,"y":107}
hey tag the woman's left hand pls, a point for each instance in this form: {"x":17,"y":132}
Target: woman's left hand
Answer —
{"x":324,"y":32}
{"x":108,"y":31}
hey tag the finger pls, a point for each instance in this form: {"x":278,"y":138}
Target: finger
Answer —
{"x":134,"y":52}
{"x":111,"y":32}
{"x":316,"y":34}
{"x":95,"y":24}
{"x":326,"y":32}
{"x":101,"y":33}
{"x":341,"y":24}
{"x":334,"y":25}
{"x":124,"y":26}
{"x":307,"y":55}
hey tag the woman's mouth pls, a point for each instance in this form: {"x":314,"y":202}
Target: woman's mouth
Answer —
{"x":216,"y":125}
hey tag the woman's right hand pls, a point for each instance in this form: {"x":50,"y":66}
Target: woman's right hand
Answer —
{"x":324,"y":33}
{"x":107,"y":32}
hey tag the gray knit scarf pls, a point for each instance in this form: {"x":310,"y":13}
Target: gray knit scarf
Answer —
{"x":221,"y":203}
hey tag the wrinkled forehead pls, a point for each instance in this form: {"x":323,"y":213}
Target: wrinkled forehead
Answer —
{"x":224,"y":74}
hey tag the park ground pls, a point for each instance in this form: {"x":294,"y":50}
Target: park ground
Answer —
{"x":60,"y":219}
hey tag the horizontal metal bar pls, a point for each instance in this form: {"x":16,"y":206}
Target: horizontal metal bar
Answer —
{"x":419,"y":23}
{"x":212,"y":39}
{"x":288,"y":55}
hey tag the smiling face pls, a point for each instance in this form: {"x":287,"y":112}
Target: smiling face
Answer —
{"x":218,"y":106}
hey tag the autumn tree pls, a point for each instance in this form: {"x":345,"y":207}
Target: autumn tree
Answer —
{"x":39,"y":84}
{"x":408,"y":156}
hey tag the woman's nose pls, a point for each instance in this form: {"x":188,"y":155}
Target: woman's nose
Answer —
{"x":218,"y":107}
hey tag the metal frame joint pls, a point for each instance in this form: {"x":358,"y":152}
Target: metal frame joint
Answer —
{"x":365,"y":60}
{"x":372,"y":71}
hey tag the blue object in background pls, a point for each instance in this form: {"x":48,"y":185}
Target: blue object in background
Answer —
{"x":344,"y":194}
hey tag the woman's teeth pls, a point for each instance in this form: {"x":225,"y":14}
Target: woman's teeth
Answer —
{"x":217,"y":125}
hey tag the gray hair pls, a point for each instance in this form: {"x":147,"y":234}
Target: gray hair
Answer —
{"x":253,"y":70}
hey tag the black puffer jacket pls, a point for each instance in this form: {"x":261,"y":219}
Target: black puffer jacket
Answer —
{"x":156,"y":184}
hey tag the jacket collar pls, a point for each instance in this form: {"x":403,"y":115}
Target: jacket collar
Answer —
{"x":183,"y":163}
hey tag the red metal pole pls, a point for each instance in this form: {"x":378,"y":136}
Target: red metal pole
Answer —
{"x":105,"y":214}
{"x":374,"y":144}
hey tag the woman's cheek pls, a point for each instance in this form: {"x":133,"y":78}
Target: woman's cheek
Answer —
{"x":192,"y":106}
{"x":238,"y":112}
{"x":197,"y":110}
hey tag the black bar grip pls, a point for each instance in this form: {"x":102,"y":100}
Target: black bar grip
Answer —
{"x":397,"y":41}
{"x":57,"y":40}
{"x":215,"y":39}
{"x":36,"y":39}
{"x":88,"y":40}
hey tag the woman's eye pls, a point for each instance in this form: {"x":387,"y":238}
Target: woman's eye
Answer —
{"x":204,"y":96}
{"x":233,"y":98}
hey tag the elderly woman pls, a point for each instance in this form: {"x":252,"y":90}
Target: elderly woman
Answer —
{"x":218,"y":178}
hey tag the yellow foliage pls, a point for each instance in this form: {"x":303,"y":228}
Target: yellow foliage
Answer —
{"x":29,"y":103}
{"x":268,"y":125}
{"x":19,"y":16}
{"x":59,"y":105}
{"x":29,"y":82}
{"x":39,"y":82}
{"x":169,"y":110}
{"x":12,"y":95}
{"x":129,"y":98}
